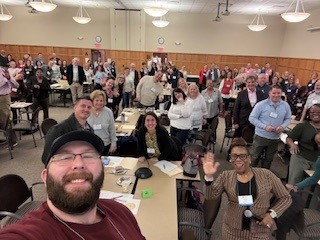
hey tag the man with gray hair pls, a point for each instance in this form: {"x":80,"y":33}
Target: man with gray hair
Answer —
{"x":263,"y":85}
{"x":75,"y":77}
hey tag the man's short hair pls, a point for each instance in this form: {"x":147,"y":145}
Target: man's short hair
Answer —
{"x":84,"y":98}
{"x":275,"y":87}
{"x":252,"y":77}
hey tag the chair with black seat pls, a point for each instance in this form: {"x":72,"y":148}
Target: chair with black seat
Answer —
{"x":14,"y":193}
{"x":247,"y":135}
{"x":200,"y":222}
{"x":30,"y":126}
{"x":47,"y":124}
{"x":4,"y":136}
{"x":229,"y":131}
{"x":199,"y":135}
{"x":179,"y":146}
{"x":127,"y":146}
{"x":167,"y":105}
{"x":206,"y":140}
{"x":27,"y":110}
{"x":307,"y":224}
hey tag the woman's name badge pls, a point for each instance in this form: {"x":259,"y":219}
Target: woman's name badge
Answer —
{"x":97,"y":126}
{"x":110,"y":100}
{"x":273,"y":115}
{"x":299,"y":104}
{"x":245,"y":200}
{"x":151,"y":151}
{"x":210,"y":100}
{"x":153,"y":90}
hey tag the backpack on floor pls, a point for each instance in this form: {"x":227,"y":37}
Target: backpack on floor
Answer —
{"x":191,"y":162}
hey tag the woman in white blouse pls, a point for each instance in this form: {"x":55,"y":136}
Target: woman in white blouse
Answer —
{"x":179,"y":115}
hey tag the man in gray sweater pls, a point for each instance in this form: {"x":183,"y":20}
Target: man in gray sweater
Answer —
{"x":148,"y":89}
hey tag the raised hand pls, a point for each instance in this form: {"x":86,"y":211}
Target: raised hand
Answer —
{"x":210,"y":166}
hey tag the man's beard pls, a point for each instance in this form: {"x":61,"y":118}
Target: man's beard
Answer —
{"x":78,"y":201}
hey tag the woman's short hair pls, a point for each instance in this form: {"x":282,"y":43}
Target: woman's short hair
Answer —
{"x":178,"y":90}
{"x":239,"y":142}
{"x":97,"y":93}
{"x":308,"y":111}
{"x":193,"y":85}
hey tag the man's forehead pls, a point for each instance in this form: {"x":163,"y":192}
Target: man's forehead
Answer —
{"x":72,"y":144}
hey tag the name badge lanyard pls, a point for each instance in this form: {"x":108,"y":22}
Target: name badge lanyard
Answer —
{"x":245,"y":200}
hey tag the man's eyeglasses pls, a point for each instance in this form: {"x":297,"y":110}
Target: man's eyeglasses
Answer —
{"x":63,"y":159}
{"x":234,"y":157}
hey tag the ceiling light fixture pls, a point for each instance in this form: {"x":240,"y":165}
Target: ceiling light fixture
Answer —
{"x":256,"y":25}
{"x":218,"y":18}
{"x":226,"y":12}
{"x":161,"y":22}
{"x":295,"y":16}
{"x":43,"y":6}
{"x":4,"y":16}
{"x":156,"y":11}
{"x":80,"y":18}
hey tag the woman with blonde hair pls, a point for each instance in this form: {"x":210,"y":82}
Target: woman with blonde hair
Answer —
{"x":182,"y":84}
{"x":199,"y":112}
{"x":102,"y":122}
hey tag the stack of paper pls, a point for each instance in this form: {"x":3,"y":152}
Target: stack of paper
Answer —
{"x":125,"y":199}
{"x":127,"y":127}
{"x":168,"y":168}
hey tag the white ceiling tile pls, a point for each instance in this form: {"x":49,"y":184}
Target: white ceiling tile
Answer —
{"x":273,"y":7}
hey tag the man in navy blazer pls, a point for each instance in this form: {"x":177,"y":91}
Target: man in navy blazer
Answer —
{"x":244,"y":104}
{"x":75,"y":77}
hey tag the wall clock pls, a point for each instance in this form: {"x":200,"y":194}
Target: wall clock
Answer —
{"x":161,"y":40}
{"x":98,"y":39}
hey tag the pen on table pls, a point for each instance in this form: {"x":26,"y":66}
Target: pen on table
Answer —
{"x":164,"y":166}
{"x":119,"y":196}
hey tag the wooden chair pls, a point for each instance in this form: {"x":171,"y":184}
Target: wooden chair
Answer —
{"x":14,"y":193}
{"x":31,"y":126}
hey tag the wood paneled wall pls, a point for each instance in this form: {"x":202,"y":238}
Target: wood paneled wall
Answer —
{"x":302,"y":68}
